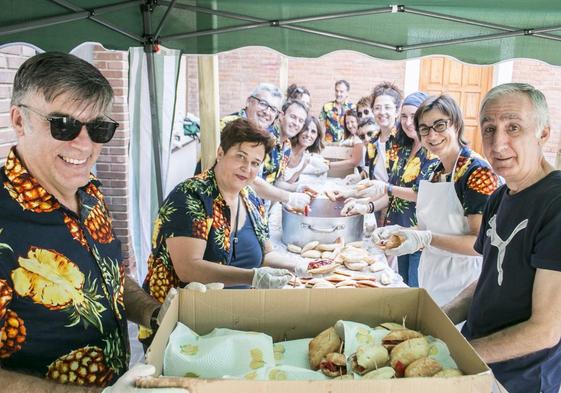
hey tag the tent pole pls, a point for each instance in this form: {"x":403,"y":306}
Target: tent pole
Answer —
{"x":72,"y":7}
{"x":55,"y":20}
{"x":163,"y":20}
{"x":149,"y":48}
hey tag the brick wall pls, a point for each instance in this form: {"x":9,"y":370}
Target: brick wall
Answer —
{"x":10,"y":59}
{"x":112,"y":168}
{"x":548,"y":80}
{"x":242,"y":69}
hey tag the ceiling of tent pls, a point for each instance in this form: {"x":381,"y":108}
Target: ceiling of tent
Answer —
{"x":475,"y":31}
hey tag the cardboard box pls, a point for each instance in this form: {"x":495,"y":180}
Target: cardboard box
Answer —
{"x":300,"y":313}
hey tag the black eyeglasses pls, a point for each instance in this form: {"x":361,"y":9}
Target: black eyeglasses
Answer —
{"x":67,"y":128}
{"x":364,"y":112}
{"x":263,"y":105}
{"x":439,"y":126}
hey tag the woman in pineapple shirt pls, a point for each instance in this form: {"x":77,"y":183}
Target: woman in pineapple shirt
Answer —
{"x":449,"y":205}
{"x":211,"y":227}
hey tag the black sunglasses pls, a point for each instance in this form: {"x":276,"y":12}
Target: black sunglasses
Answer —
{"x":364,"y":112}
{"x":67,"y":128}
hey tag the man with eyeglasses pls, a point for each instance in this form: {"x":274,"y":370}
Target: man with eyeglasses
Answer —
{"x":64,"y":294}
{"x":332,"y":113}
{"x":263,"y":107}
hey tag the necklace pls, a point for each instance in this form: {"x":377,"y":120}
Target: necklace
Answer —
{"x":236,"y":226}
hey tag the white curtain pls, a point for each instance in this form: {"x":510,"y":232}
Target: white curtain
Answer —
{"x":143,"y":199}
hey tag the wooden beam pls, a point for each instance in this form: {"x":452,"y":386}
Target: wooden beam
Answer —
{"x":208,"y":108}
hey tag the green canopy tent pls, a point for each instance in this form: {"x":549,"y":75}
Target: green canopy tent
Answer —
{"x":475,"y":31}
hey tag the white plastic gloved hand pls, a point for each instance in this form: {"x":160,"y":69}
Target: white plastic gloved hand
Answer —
{"x":353,"y":178}
{"x":344,"y":192}
{"x":355,"y":206}
{"x":301,"y":267}
{"x":374,"y":189}
{"x":413,"y":241}
{"x":383,"y":233}
{"x":298,"y":200}
{"x":268,"y":277}
{"x":125,"y":384}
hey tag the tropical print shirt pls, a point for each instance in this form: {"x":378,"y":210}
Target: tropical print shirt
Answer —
{"x":407,"y":171}
{"x":474,"y":180}
{"x":372,"y":152}
{"x":276,"y":161}
{"x":62,"y":313}
{"x":333,"y":120}
{"x":195,"y":208}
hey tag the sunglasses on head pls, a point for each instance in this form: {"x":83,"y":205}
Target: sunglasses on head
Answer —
{"x":364,"y":112}
{"x":67,"y":128}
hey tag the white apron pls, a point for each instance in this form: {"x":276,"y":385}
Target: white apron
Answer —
{"x":444,"y":274}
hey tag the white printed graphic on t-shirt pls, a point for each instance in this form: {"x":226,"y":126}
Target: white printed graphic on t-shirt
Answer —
{"x":500,"y":243}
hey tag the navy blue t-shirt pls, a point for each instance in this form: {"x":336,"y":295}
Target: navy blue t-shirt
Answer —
{"x":519,"y":234}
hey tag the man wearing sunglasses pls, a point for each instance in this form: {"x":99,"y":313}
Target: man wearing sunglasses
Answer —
{"x":64,"y":295}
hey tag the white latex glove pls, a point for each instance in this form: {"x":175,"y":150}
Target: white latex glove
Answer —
{"x":301,"y":267}
{"x":353,"y":178}
{"x":344,"y":192}
{"x":268,"y":277}
{"x":125,"y":384}
{"x":354,"y":206}
{"x":383,"y":233}
{"x":165,"y":305}
{"x":414,"y":241}
{"x":375,"y":189}
{"x":298,"y":200}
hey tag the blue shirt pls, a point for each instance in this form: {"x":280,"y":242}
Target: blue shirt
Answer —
{"x":528,"y":224}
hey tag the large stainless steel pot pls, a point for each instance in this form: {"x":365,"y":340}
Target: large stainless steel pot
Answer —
{"x":324,"y":224}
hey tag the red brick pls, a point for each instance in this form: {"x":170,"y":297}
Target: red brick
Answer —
{"x":108,"y":55}
{"x":5,"y":91}
{"x":7,"y":76}
{"x":4,"y":121}
{"x":12,"y":50}
{"x":15,"y":62}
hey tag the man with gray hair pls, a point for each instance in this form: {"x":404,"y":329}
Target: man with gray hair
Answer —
{"x":64,"y":295}
{"x":514,"y":310}
{"x":263,"y":107}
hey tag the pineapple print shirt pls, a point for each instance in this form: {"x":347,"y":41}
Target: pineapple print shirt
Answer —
{"x":276,"y":161}
{"x":406,"y":171}
{"x":474,"y":180}
{"x":372,"y":152}
{"x":195,"y":208}
{"x":62,"y":313}
{"x":333,"y":120}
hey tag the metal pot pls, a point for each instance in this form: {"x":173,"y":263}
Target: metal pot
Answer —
{"x":324,"y":224}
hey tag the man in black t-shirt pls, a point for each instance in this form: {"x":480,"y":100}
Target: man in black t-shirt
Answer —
{"x":514,"y":310}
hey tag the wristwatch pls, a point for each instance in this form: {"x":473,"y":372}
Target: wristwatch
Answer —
{"x":389,"y":189}
{"x":154,"y":319}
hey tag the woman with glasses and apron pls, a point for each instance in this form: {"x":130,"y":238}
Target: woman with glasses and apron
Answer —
{"x":449,"y":205}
